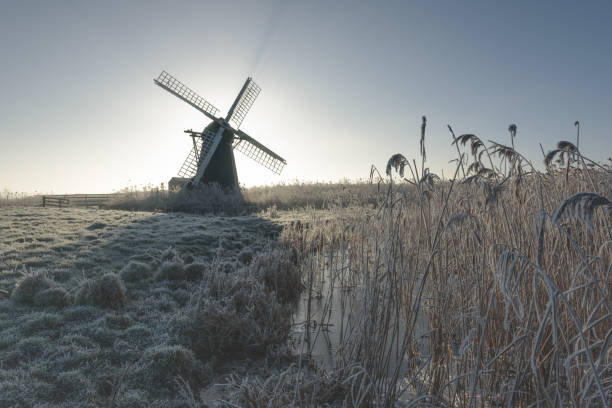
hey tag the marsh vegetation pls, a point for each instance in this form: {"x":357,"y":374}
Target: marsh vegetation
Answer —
{"x":508,"y":265}
{"x":491,"y":288}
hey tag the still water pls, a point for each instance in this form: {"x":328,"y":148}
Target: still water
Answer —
{"x":331,"y":312}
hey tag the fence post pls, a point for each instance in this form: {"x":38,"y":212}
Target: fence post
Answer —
{"x":44,"y":201}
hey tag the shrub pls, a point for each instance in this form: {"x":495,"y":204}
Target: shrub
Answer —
{"x":208,"y":198}
{"x":105,"y":292}
{"x":28,"y":286}
{"x":236,"y":317}
{"x":135,"y":271}
{"x":52,"y":297}
{"x":279,"y":274}
{"x":195,"y":271}
{"x":161,"y":364}
{"x":170,"y":270}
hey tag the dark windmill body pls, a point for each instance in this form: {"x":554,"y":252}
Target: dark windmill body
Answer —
{"x":211,"y":159}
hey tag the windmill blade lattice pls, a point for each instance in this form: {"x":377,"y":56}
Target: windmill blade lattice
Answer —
{"x":244,"y":104}
{"x":202,"y":146}
{"x":177,"y":88}
{"x":190,"y":165}
{"x":259,"y":153}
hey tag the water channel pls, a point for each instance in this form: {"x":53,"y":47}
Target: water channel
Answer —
{"x":331,"y":311}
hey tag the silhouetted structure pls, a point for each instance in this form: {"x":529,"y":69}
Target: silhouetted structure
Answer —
{"x":212,"y":157}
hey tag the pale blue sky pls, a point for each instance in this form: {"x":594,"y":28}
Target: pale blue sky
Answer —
{"x":344,"y":83}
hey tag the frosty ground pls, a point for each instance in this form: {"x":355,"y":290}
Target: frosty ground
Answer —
{"x":130,"y":309}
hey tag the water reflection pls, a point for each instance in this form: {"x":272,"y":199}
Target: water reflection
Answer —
{"x":330,"y":314}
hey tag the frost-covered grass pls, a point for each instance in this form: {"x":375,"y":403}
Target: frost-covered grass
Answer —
{"x":113,"y":308}
{"x":91,"y":241}
{"x":13,"y":199}
{"x":268,"y":199}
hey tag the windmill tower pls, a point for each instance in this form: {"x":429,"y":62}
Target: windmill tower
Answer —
{"x":212,"y":157}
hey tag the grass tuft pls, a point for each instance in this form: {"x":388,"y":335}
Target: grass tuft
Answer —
{"x":30,"y":285}
{"x":52,"y":297}
{"x":171,"y":271}
{"x":135,"y":271}
{"x":107,"y":291}
{"x":195,"y":271}
{"x":279,"y":274}
{"x":161,"y":364}
{"x":235,"y":316}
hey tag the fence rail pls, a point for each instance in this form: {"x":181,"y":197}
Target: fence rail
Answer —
{"x":76,"y":200}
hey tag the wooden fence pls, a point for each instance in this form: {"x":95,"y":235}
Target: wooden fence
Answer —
{"x":76,"y":200}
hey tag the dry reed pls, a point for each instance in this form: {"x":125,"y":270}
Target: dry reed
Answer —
{"x":491,"y":289}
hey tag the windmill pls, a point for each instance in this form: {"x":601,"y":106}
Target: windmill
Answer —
{"x":212,"y":157}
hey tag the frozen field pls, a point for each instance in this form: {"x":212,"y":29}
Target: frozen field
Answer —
{"x":91,"y":241}
{"x":103,"y":304}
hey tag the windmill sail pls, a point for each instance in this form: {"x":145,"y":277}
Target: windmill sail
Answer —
{"x":178,"y":89}
{"x":243,"y":103}
{"x":251,"y":148}
{"x":190,"y":165}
